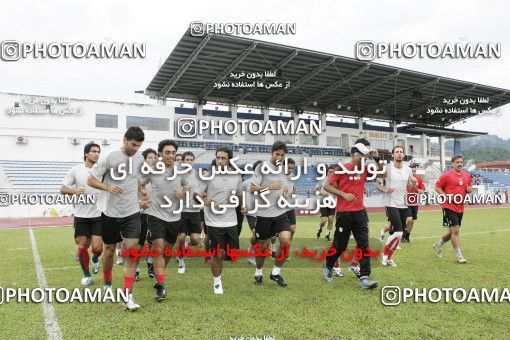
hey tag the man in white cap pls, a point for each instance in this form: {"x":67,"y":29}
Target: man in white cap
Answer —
{"x":351,"y":215}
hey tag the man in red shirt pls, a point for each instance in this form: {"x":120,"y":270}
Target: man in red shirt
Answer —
{"x":412,"y":210}
{"x":454,"y":184}
{"x":348,"y":184}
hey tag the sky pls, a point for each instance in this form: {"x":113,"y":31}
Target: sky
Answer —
{"x":325,"y":26}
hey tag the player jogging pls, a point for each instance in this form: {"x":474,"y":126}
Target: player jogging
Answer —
{"x":87,"y":218}
{"x":412,"y":210}
{"x":455,"y":182}
{"x":271,"y":220}
{"x":399,"y":178}
{"x":117,"y":175}
{"x":351,"y":214}
{"x":164,"y":213}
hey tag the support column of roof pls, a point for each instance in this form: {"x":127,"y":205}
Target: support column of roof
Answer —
{"x":236,"y":138}
{"x":295,"y":116}
{"x":423,"y":145}
{"x":268,"y":138}
{"x":323,"y":137}
{"x":442,"y":153}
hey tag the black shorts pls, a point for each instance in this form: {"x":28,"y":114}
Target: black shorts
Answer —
{"x":291,"y":216}
{"x":114,"y":229}
{"x":87,"y":226}
{"x":397,"y":217}
{"x":386,"y":213}
{"x":451,"y":218}
{"x":326,"y":212}
{"x":223,"y":236}
{"x":267,"y":227}
{"x":190,"y":223}
{"x":412,"y":211}
{"x":143,"y":230}
{"x":163,"y":229}
{"x":252,"y":221}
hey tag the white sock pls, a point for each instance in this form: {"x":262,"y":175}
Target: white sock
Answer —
{"x":258,"y":272}
{"x":181,"y":262}
{"x":440,"y":243}
{"x":327,"y":232}
{"x":217,"y":280}
{"x":150,"y":260}
{"x":458,"y":252}
{"x":397,"y":234}
{"x":276,"y":270}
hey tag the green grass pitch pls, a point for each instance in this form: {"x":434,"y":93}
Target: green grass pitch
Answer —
{"x":309,"y":308}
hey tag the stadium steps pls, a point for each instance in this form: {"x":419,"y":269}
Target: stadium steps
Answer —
{"x":494,"y":181}
{"x":5,"y":183}
{"x":40,"y":177}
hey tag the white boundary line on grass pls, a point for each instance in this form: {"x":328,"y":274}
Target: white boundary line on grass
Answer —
{"x":50,"y":317}
{"x":463,"y":234}
{"x":437,"y":236}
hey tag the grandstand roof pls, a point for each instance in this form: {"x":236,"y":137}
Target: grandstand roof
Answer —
{"x":318,"y":82}
{"x":437,"y":131}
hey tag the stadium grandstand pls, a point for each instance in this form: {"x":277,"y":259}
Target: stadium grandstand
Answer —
{"x":350,"y":98}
